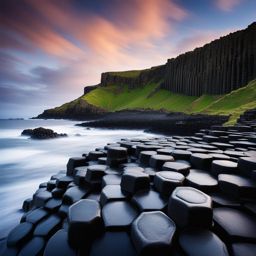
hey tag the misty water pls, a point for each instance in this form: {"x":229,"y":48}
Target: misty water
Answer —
{"x":25,"y":163}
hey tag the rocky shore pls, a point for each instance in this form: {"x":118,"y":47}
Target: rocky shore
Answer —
{"x":156,"y":121}
{"x":169,"y":195}
{"x":42,"y":133}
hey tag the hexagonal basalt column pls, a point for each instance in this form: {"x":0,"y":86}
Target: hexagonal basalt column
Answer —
{"x":118,"y":215}
{"x":166,"y":181}
{"x":85,"y":222}
{"x":133,"y":181}
{"x":237,"y":186}
{"x":111,"y":193}
{"x":181,"y":154}
{"x":152,"y":233}
{"x":247,"y":165}
{"x":190,"y":207}
{"x":201,"y":161}
{"x":197,"y":241}
{"x":116,"y":156}
{"x":145,"y":156}
{"x":223,"y":166}
{"x":94,"y":175}
{"x":157,"y":161}
{"x":75,"y":162}
{"x":182,"y":168}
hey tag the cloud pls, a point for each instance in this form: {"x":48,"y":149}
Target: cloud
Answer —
{"x":227,"y":5}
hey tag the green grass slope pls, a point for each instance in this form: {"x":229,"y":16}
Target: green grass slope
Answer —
{"x":114,"y":97}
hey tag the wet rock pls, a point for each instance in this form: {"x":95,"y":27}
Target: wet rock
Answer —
{"x":114,"y":244}
{"x":179,"y":167}
{"x":241,"y":249}
{"x":200,"y":242}
{"x":27,"y":205}
{"x":53,"y":205}
{"x":133,"y":181}
{"x":40,"y":199}
{"x":42,"y":133}
{"x":111,"y":179}
{"x":20,"y":234}
{"x":157,"y":161}
{"x":144,"y":157}
{"x":152,"y":233}
{"x":149,"y":201}
{"x":85,"y":222}
{"x":34,"y":247}
{"x":36,"y":215}
{"x":190,"y":207}
{"x":243,"y":230}
{"x":223,"y":166}
{"x":111,"y":193}
{"x":75,"y":162}
{"x":166,"y":181}
{"x":57,"y":244}
{"x":74,"y":194}
{"x":116,"y":156}
{"x":201,"y":161}
{"x":181,"y":154}
{"x":118,"y":215}
{"x":247,"y":165}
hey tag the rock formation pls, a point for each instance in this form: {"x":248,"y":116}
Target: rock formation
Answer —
{"x":219,"y":67}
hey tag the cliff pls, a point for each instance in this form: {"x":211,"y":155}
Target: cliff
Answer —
{"x":219,"y":67}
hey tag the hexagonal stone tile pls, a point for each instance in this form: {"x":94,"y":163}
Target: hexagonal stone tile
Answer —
{"x":199,"y":242}
{"x":145,"y":156}
{"x":157,"y":161}
{"x":34,"y":247}
{"x":85,"y":222}
{"x":111,"y":193}
{"x":48,"y":226}
{"x":116,"y":156}
{"x":114,"y":244}
{"x":223,"y":166}
{"x":242,"y":249}
{"x":220,"y":199}
{"x":133,"y":181}
{"x":202,"y":180}
{"x":190,"y":207}
{"x":20,"y":234}
{"x":182,"y":168}
{"x":27,"y":204}
{"x":118,"y":215}
{"x":201,"y":161}
{"x":64,"y":181}
{"x":74,"y":162}
{"x":95,"y":155}
{"x":53,"y":205}
{"x":247,"y":165}
{"x":181,"y":154}
{"x":152,"y":233}
{"x":36,"y":215}
{"x":74,"y":194}
{"x":237,"y":186}
{"x":149,"y":201}
{"x":243,"y":230}
{"x":111,"y":179}
{"x":59,"y":243}
{"x":166,"y":181}
{"x":40,"y":198}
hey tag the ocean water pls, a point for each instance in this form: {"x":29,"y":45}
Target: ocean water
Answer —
{"x":25,"y":163}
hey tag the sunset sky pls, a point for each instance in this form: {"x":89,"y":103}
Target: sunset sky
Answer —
{"x":51,"y":49}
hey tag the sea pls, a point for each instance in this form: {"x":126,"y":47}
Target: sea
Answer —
{"x":25,"y":163}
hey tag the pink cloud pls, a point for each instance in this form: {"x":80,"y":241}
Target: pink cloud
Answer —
{"x":227,"y":5}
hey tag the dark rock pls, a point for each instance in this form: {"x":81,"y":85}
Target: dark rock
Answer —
{"x":42,"y":133}
{"x":152,"y":233}
{"x":247,"y":164}
{"x":190,"y":207}
{"x":27,"y":205}
{"x":166,"y":181}
{"x":234,"y":225}
{"x":133,"y":181}
{"x":157,"y":161}
{"x":34,"y":247}
{"x":75,"y":162}
{"x":36,"y":215}
{"x":118,"y":215}
{"x":181,"y":154}
{"x":85,"y":222}
{"x":223,"y":166}
{"x":145,"y":156}
{"x":201,"y":242}
{"x":182,"y":168}
{"x":111,"y":193}
{"x":114,"y":244}
{"x":40,"y":199}
{"x":74,"y":194}
{"x":20,"y":234}
{"x":57,"y":244}
{"x":201,"y":161}
{"x":149,"y":201}
{"x":242,"y":249}
{"x":111,"y":179}
{"x":53,"y":205}
{"x":116,"y":156}
{"x":64,"y":181}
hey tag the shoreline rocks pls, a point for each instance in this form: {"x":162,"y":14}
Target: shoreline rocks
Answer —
{"x":129,"y":197}
{"x":42,"y":133}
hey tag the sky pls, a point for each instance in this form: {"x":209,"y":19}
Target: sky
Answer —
{"x":51,"y":49}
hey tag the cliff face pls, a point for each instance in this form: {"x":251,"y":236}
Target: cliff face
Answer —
{"x":142,"y":78}
{"x":216,"y":68}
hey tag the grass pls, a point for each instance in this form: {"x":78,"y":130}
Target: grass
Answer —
{"x":128,"y":74}
{"x":116,"y":97}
